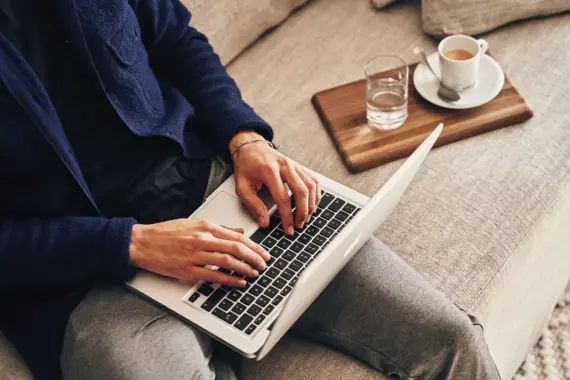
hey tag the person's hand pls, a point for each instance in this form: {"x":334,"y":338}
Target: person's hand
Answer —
{"x":182,"y":248}
{"x":258,"y":164}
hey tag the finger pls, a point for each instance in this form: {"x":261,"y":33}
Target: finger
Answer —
{"x":236,"y":249}
{"x":300,"y":192}
{"x":278,"y":191}
{"x":238,"y":236}
{"x":317,"y":182}
{"x":235,"y":229}
{"x":227,"y":261}
{"x":210,"y":275}
{"x":248,"y":194}
{"x":312,"y":186}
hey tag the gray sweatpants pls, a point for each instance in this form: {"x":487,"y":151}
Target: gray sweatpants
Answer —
{"x":377,"y":309}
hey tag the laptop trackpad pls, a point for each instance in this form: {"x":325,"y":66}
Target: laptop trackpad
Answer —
{"x":227,"y":210}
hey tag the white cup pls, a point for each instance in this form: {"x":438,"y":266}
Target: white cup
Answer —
{"x":460,"y":75}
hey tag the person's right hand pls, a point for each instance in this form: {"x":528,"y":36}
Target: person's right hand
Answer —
{"x":182,"y":248}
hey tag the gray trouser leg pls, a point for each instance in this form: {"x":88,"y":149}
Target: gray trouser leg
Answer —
{"x":114,"y":334}
{"x":382,"y":312}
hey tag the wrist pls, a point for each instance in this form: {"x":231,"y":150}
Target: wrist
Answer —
{"x":242,"y":136}
{"x":138,"y":234}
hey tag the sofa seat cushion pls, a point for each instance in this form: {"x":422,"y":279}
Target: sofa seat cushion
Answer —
{"x":487,"y":217}
{"x":12,"y":366}
{"x":233,"y":25}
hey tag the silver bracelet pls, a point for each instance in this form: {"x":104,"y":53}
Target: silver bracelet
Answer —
{"x":250,"y":141}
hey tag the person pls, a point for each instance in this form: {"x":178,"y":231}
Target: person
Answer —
{"x":117,"y":119}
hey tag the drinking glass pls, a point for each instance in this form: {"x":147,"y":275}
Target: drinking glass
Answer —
{"x":386,"y":92}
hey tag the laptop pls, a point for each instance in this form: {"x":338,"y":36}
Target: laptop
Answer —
{"x":253,"y":319}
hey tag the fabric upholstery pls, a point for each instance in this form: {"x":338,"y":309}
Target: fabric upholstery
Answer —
{"x":233,"y":25}
{"x":382,"y":3}
{"x":11,"y":365}
{"x":482,"y":218}
{"x":445,"y":17}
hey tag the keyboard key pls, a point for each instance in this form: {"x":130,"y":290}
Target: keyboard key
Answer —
{"x":280,"y":264}
{"x":259,"y":319}
{"x":227,"y":288}
{"x":284,"y":243}
{"x":224,"y":270}
{"x":250,"y":329}
{"x":349,"y":218}
{"x":312,"y":231}
{"x":303,"y":257}
{"x":226,"y":317}
{"x":317,"y":212}
{"x":238,"y":308}
{"x":242,"y":323}
{"x":272,"y":272}
{"x":276,"y":300}
{"x":305,"y":238}
{"x":194,"y":297}
{"x":312,"y":249}
{"x":274,"y":221}
{"x":268,"y":309}
{"x":234,"y":295}
{"x":225,"y":305}
{"x":297,"y":247}
{"x":262,"y":301}
{"x":279,"y":283}
{"x":295,"y":266}
{"x":294,"y":281}
{"x":254,"y":310}
{"x":213,"y":300}
{"x":271,"y":292}
{"x":356,"y":212}
{"x":247,"y":299}
{"x":277,"y":234}
{"x":286,"y":291}
{"x":251,"y":280}
{"x":319,"y":240}
{"x":327,"y":214}
{"x":258,"y":236}
{"x":342,"y":216}
{"x":206,"y":290}
{"x":320,"y":222}
{"x":256,"y":290}
{"x":327,"y":232}
{"x":348,"y":208}
{"x":336,"y":204}
{"x":264,"y":281}
{"x":287,"y":274}
{"x":326,"y":198}
{"x":269,"y":242}
{"x":289,"y":255}
{"x":334,"y":224}
{"x":276,"y":252}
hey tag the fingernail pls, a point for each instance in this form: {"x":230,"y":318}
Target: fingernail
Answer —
{"x":255,"y":273}
{"x":241,"y":283}
{"x":263,"y":266}
{"x":260,"y":221}
{"x":266,"y":255}
{"x":290,"y":230}
{"x":300,"y":225}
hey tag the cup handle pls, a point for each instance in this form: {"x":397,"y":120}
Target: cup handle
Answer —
{"x":483,"y":45}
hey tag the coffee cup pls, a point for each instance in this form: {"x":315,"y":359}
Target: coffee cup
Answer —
{"x":459,"y":58}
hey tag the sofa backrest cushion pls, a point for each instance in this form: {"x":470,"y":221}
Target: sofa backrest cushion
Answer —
{"x":445,"y":17}
{"x":232,"y":25}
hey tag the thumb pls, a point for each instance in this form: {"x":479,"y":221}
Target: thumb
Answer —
{"x":236,"y":229}
{"x":248,"y":195}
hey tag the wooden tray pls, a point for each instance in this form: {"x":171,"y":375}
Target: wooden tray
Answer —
{"x":343,"y":112}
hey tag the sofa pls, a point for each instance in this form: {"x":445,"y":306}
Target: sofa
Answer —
{"x":486,"y":220}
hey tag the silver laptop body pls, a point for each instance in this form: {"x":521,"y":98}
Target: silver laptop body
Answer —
{"x":252,"y":321}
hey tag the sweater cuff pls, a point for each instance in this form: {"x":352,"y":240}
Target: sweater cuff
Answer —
{"x":115,"y":258}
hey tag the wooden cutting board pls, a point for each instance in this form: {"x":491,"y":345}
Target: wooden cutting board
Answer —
{"x":343,"y":112}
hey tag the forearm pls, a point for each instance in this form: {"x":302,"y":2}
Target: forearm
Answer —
{"x":44,"y":253}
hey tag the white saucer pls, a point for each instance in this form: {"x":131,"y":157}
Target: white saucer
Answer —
{"x":489,"y":84}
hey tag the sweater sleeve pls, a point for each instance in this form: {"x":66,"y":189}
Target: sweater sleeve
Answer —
{"x":45,"y":253}
{"x":185,"y":57}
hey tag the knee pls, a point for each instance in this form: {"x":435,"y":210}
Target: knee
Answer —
{"x":456,"y":332}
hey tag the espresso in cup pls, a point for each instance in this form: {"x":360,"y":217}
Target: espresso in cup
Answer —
{"x":459,"y":58}
{"x":458,"y":55}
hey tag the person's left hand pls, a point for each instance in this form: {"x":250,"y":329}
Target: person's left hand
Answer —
{"x":258,"y":164}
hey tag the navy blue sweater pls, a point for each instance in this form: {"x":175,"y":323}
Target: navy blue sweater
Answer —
{"x":160,"y":76}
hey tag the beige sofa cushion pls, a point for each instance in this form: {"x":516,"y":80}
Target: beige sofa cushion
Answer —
{"x":232,"y":25}
{"x":444,"y":17}
{"x":382,"y":3}
{"x":12,"y":367}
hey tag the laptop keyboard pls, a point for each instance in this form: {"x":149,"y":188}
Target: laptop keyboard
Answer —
{"x":246,"y":308}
